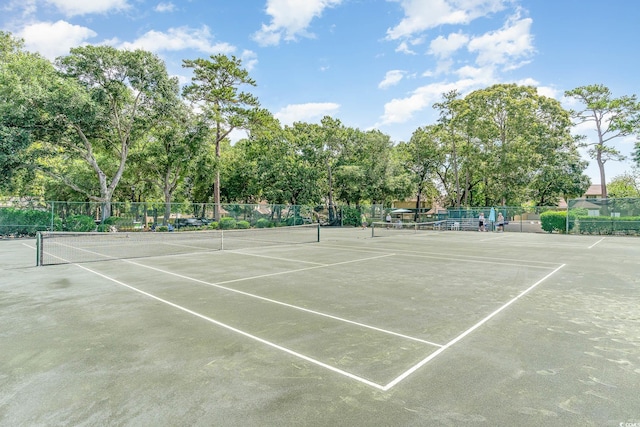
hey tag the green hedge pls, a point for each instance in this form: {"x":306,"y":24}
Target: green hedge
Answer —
{"x":351,"y":216}
{"x":79,"y":223}
{"x":609,"y":225}
{"x":263,"y":223}
{"x":227,"y":223}
{"x":26,"y":222}
{"x":551,"y":221}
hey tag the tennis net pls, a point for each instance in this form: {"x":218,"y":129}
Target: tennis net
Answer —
{"x":70,"y":247}
{"x":383,"y":229}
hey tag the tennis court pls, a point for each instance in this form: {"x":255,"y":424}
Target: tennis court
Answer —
{"x":415,"y":328}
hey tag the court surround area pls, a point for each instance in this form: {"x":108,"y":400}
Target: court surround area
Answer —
{"x":421,"y":327}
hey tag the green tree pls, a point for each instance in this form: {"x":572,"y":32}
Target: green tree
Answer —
{"x":22,"y":75}
{"x":422,"y":156}
{"x":612,"y":118}
{"x":86,"y":116}
{"x":451,"y":111}
{"x":164,"y":157}
{"x":215,"y":91}
{"x":518,"y":133}
{"x":625,"y":185}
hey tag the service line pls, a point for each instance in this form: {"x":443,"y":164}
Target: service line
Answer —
{"x":467,"y":332}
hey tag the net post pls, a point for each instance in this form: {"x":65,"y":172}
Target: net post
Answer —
{"x":318,"y":232}
{"x":38,"y":249}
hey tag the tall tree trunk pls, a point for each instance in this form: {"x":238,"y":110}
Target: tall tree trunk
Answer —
{"x":603,"y":182}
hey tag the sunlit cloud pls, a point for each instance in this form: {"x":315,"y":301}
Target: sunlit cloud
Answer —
{"x":308,"y":112}
{"x":53,"y":39}
{"x":290,"y":20}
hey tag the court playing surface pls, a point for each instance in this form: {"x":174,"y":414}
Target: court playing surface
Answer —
{"x":409,"y":329}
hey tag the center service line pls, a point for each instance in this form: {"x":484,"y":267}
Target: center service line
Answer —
{"x":306,"y":310}
{"x":238,"y":331}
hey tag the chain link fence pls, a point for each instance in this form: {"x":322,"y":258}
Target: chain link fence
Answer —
{"x":26,"y":216}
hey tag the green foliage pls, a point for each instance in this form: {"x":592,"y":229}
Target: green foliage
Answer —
{"x":101,"y":119}
{"x":551,"y":221}
{"x":103,"y":228}
{"x":79,"y":223}
{"x":263,"y":223}
{"x":351,"y":216}
{"x":603,"y":225}
{"x":610,"y":117}
{"x":294,"y":220}
{"x":112,"y":220}
{"x":243,"y":224}
{"x":625,"y":185}
{"x":25,"y":222}
{"x":162,"y":228}
{"x":213,"y":225}
{"x":227,"y":223}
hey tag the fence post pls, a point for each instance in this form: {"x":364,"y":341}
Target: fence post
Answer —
{"x":38,"y":249}
{"x":52,"y":215}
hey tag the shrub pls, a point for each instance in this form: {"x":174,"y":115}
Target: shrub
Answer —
{"x":263,"y":223}
{"x":351,"y":216}
{"x":608,"y":225}
{"x":162,"y":228}
{"x":294,"y":221}
{"x":79,"y":223}
{"x":227,"y":223}
{"x":551,"y":221}
{"x":103,"y":228}
{"x":26,"y":221}
{"x":243,"y":224}
{"x":213,"y":225}
{"x":112,"y":220}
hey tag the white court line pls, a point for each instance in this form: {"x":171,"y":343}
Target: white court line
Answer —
{"x":242,"y":252}
{"x":467,"y":332}
{"x":219,"y":286}
{"x":284,"y":304}
{"x":595,"y":243}
{"x":309,"y":359}
{"x":467,"y":258}
{"x":492,"y":238}
{"x":238,"y":331}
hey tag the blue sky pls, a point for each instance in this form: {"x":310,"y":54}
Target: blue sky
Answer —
{"x":370,"y":63}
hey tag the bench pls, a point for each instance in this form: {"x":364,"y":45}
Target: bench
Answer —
{"x":462,"y":224}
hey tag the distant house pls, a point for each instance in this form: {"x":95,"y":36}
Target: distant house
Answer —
{"x":593,"y":192}
{"x":428,"y":208}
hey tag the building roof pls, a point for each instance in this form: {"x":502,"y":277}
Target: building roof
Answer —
{"x":594,"y":190}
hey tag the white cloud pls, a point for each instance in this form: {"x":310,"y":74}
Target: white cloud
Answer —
{"x":84,"y":7}
{"x":54,"y":39}
{"x":444,"y":47}
{"x":165,"y":7}
{"x":404,"y":48}
{"x":290,"y":19}
{"x":392,"y":78}
{"x":176,"y":39}
{"x":485,"y":75}
{"x":505,"y":46}
{"x":421,"y":15}
{"x":306,"y":112}
{"x":403,"y":109}
{"x":249,"y":59}
{"x":27,"y":7}
{"x":547,"y":91}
